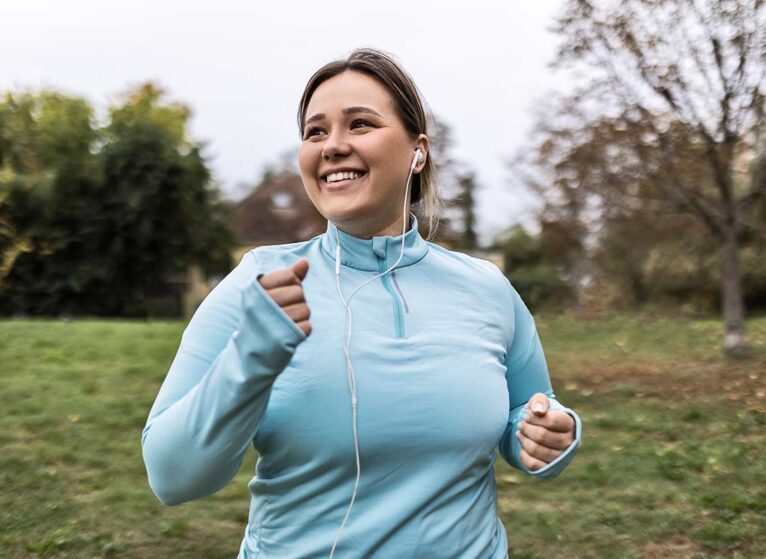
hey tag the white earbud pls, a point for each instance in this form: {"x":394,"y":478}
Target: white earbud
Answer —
{"x":417,"y":159}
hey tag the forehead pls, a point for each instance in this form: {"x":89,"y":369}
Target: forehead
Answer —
{"x":350,"y":89}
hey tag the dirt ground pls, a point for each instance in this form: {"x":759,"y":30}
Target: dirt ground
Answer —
{"x":736,"y":383}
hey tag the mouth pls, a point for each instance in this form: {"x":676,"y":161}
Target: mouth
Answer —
{"x":344,"y":179}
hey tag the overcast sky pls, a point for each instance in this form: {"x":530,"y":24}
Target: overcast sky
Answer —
{"x":241,"y":67}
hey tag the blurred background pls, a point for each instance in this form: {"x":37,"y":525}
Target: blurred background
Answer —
{"x":609,"y":156}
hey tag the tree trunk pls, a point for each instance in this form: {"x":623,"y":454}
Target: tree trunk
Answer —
{"x":731,"y":291}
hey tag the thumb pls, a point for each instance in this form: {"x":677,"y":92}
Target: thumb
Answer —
{"x":301,"y":268}
{"x":539,"y":404}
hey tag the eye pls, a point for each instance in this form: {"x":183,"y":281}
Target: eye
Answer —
{"x":313,"y":131}
{"x":360,"y":122}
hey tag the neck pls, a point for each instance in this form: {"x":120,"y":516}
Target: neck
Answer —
{"x":392,"y":229}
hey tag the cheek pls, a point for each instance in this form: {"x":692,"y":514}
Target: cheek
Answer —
{"x":393,"y":154}
{"x":307,"y":162}
{"x":391,"y":165}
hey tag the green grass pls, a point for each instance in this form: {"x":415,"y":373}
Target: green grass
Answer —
{"x":671,"y":465}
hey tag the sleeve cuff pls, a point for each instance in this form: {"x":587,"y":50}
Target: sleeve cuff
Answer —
{"x":266,"y":333}
{"x":254,"y":295}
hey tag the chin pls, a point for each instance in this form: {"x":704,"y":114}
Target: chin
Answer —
{"x":355,"y":223}
{"x":344,"y":214}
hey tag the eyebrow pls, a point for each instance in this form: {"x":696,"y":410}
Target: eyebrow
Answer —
{"x":348,"y":111}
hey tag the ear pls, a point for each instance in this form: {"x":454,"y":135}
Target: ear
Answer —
{"x":423,"y":144}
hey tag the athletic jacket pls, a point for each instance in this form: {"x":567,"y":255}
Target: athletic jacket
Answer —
{"x":445,"y":355}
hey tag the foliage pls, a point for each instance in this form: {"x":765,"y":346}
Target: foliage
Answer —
{"x":532,"y":272}
{"x":650,"y":248}
{"x":94,"y":219}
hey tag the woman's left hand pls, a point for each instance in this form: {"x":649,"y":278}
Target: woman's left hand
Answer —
{"x":544,"y":434}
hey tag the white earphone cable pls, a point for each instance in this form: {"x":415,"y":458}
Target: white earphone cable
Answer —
{"x":347,"y":340}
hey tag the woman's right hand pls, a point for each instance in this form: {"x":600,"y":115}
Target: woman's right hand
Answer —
{"x":286,"y":288}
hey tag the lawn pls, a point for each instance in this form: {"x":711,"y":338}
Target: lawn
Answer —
{"x":672,"y":462}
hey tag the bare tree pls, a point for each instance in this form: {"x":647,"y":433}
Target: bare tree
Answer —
{"x":457,"y":185}
{"x":699,"y":64}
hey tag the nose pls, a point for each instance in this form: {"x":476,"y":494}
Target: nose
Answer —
{"x":335,"y":145}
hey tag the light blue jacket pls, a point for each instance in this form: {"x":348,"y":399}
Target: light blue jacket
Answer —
{"x":445,"y":354}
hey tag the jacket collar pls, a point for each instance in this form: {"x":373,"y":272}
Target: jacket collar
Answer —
{"x":367,"y":254}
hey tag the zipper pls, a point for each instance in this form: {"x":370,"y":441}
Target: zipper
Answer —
{"x":395,"y":298}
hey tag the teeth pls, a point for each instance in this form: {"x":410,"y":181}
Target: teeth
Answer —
{"x":334,"y":177}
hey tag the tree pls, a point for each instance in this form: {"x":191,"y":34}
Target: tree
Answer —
{"x":692,"y":69}
{"x":165,"y":211}
{"x":93,"y":218}
{"x":605,"y":217}
{"x":457,"y":183}
{"x":529,"y":267}
{"x":467,"y":182}
{"x":47,"y":174}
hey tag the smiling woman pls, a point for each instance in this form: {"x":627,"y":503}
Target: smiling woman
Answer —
{"x":376,"y":436}
{"x":387,"y":99}
{"x":354,"y":158}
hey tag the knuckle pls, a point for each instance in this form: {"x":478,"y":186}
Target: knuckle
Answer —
{"x":534,"y":448}
{"x":274,"y":293}
{"x":279,"y":278}
{"x":523,"y":441}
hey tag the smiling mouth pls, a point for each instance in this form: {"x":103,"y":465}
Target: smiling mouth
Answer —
{"x":335,"y":180}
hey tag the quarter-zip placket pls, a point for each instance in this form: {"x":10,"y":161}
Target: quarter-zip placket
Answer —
{"x":379,"y":248}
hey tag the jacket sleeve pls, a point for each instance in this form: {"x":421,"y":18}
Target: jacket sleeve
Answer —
{"x":211,"y":403}
{"x":527,"y":374}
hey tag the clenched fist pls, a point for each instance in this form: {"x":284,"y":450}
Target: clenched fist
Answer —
{"x":286,"y":288}
{"x":544,"y":434}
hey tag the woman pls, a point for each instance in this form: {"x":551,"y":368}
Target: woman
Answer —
{"x":375,"y":373}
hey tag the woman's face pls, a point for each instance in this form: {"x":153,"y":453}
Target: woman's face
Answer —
{"x":356,"y":154}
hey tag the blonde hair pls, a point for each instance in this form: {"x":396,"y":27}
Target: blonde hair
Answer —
{"x":409,"y":106}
